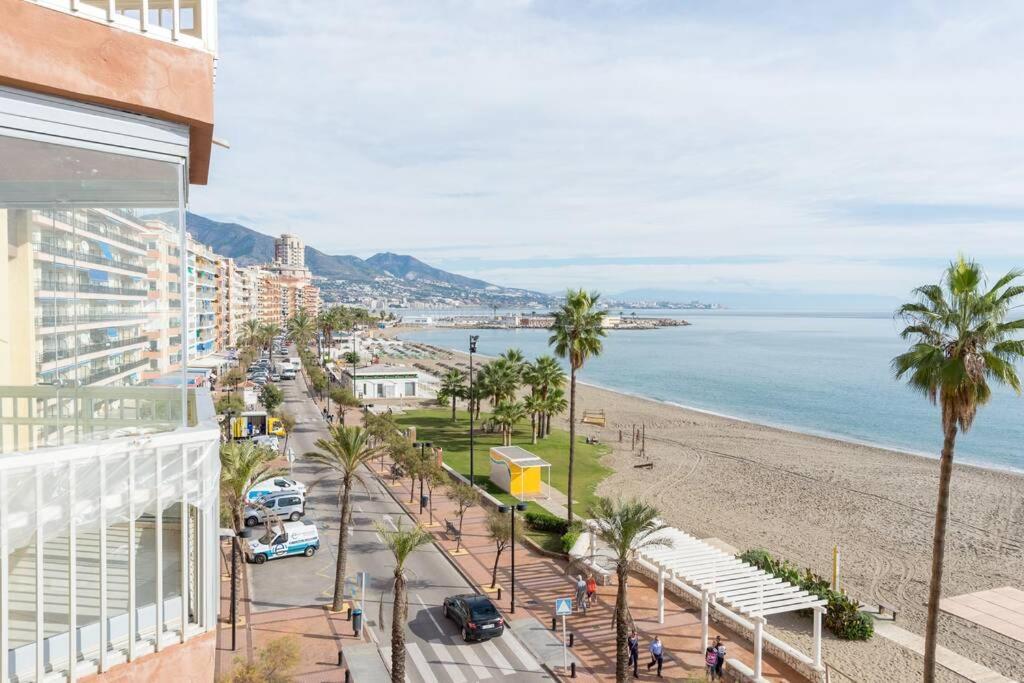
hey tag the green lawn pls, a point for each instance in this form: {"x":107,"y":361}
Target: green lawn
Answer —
{"x":453,"y":437}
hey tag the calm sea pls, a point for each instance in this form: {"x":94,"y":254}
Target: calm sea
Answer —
{"x":819,"y":373}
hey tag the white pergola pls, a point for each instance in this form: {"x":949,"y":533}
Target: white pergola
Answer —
{"x":720,"y":578}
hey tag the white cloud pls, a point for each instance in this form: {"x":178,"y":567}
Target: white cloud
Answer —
{"x":528,"y":129}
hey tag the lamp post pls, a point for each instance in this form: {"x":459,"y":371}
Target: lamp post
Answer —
{"x":512,"y":546}
{"x":230,"y":534}
{"x":423,"y":446}
{"x":472,"y":349}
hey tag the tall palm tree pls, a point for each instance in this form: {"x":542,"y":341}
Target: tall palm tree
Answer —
{"x":345,"y":452}
{"x":243,"y":464}
{"x":576,"y":334}
{"x":626,"y":528}
{"x":452,"y":388}
{"x":517,"y":361}
{"x":301,"y":329}
{"x":961,"y":341}
{"x":402,"y":543}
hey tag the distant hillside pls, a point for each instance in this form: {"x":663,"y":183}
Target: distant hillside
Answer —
{"x":409,"y":268}
{"x":248,"y":247}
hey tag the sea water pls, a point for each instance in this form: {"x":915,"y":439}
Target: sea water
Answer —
{"x":826,"y":374}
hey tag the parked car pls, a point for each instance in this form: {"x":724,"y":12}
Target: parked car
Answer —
{"x":475,"y":615}
{"x":287,"y":505}
{"x":277,"y":484}
{"x":298,"y":538}
{"x":275,"y":377}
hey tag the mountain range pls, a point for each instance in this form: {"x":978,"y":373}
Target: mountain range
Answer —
{"x":249,"y":247}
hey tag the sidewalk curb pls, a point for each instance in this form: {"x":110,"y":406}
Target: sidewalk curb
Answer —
{"x":437,"y":544}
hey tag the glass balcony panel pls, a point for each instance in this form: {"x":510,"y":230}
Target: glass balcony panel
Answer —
{"x":92,"y":283}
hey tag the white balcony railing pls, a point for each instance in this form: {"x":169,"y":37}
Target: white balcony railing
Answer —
{"x":189,"y":23}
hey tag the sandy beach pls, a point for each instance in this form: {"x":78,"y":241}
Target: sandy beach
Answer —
{"x":798,"y":495}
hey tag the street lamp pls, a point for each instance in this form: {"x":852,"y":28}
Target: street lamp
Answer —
{"x":230,"y":533}
{"x":423,"y":446}
{"x":512,"y":543}
{"x":472,"y":349}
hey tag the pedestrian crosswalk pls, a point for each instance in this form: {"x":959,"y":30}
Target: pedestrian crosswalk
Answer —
{"x":449,"y":660}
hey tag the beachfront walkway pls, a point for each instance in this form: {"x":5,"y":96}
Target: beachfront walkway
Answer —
{"x":541,"y":578}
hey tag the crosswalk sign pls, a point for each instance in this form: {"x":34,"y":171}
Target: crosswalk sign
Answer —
{"x":563,"y":607}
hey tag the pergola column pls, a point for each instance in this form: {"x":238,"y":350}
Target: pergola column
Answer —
{"x":661,"y":593}
{"x":704,"y":620}
{"x":818,"y":611}
{"x":758,"y":647}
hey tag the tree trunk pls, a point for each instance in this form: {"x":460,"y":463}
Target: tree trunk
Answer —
{"x":572,"y":438}
{"x":339,"y":571}
{"x":621,"y":626}
{"x":533,"y":428}
{"x":398,"y":617}
{"x":458,"y":539}
{"x":494,"y":569}
{"x":453,"y":407}
{"x":938,"y":552}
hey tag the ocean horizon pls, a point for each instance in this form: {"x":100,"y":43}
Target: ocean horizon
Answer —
{"x":826,"y":374}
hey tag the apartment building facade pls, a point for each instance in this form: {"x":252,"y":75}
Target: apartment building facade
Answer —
{"x":109,"y":461}
{"x":289,"y":251}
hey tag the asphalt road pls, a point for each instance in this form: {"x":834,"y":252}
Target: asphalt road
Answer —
{"x":435,"y":652}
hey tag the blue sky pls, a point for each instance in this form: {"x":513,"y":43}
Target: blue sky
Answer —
{"x":720,"y":147}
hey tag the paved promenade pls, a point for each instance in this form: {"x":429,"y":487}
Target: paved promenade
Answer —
{"x":540,"y":579}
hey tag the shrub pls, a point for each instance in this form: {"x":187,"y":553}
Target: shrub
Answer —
{"x":842,"y":617}
{"x":544,"y":521}
{"x":571,"y":535}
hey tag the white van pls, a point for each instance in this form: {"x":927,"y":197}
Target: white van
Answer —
{"x":275,"y":485}
{"x":299,"y":538}
{"x":290,"y":505}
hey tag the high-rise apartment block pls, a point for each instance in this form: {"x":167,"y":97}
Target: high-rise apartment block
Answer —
{"x":289,"y":251}
{"x":109,"y":467}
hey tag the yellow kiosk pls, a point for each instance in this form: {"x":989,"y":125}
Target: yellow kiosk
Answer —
{"x":518,"y":471}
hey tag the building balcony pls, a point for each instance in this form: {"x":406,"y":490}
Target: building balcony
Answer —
{"x":88,"y":288}
{"x":78,"y":256}
{"x":89,"y":349}
{"x":188,"y":23}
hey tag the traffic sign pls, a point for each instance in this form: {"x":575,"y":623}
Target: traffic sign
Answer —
{"x":563,"y":606}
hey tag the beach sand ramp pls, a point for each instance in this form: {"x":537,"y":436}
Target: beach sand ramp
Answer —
{"x":1000,"y":610}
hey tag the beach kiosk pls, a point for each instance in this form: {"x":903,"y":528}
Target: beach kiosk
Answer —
{"x":518,"y":471}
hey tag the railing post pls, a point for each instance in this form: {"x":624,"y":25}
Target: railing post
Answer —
{"x":144,"y":16}
{"x":4,"y":569}
{"x":72,"y":579}
{"x":818,"y":610}
{"x":111,"y":10}
{"x":176,"y":20}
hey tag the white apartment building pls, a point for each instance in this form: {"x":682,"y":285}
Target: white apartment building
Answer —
{"x":289,"y":251}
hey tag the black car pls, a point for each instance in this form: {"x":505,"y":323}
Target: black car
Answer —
{"x":476,"y":616}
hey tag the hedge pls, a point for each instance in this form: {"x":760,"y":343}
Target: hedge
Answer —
{"x":843,"y":616}
{"x":544,"y":521}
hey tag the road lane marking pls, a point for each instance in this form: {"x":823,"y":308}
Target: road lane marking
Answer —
{"x":474,"y":660}
{"x":430,"y":616}
{"x":422,"y":667}
{"x":452,"y":666}
{"x":498,"y":658}
{"x":516,"y":648}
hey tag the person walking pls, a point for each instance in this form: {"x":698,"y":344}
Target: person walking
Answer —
{"x":720,"y":656}
{"x":634,"y":652}
{"x":581,"y":594}
{"x":591,"y":590}
{"x":657,"y":655}
{"x":710,"y":661}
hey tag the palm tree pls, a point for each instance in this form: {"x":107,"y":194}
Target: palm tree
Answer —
{"x":534,"y":405}
{"x":507,"y":415}
{"x":517,"y":361}
{"x":961,"y":341}
{"x":576,"y":334}
{"x":499,"y":380}
{"x":345,"y":452}
{"x":626,"y":528}
{"x":402,"y":543}
{"x":252,"y":330}
{"x":554,"y":404}
{"x":301,"y":329}
{"x":243,"y":464}
{"x":453,"y":387}
{"x":545,"y":375}
{"x":288,"y":422}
